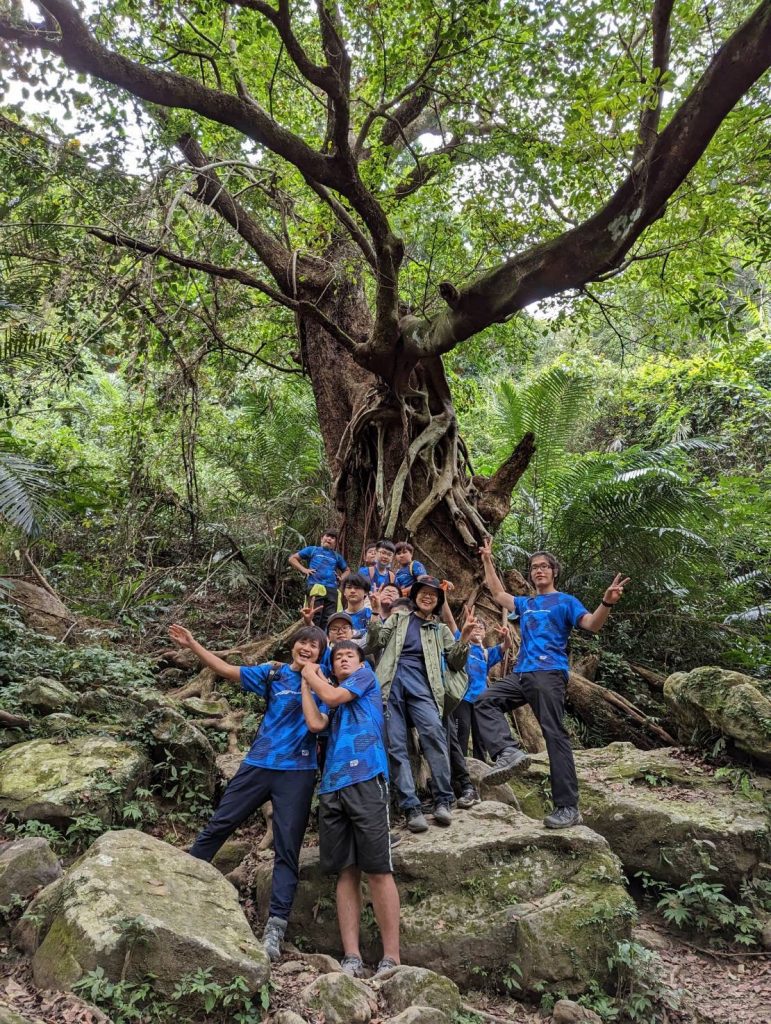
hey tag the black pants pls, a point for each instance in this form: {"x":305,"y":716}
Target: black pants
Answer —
{"x":545,"y":693}
{"x":328,"y":607}
{"x":458,"y":771}
{"x":291,"y":794}
{"x":466,"y":719}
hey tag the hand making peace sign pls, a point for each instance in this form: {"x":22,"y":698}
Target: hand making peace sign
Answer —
{"x":615,"y":591}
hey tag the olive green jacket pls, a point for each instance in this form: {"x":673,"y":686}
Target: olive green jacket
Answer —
{"x":437,"y":639}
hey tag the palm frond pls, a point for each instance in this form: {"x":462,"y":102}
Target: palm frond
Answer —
{"x":25,"y":491}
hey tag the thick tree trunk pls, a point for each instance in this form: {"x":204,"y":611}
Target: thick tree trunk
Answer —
{"x":400,"y":468}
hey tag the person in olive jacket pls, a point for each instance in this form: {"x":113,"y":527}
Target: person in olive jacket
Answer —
{"x":418,"y":654}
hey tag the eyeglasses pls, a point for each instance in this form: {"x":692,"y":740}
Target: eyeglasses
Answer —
{"x":539,"y":565}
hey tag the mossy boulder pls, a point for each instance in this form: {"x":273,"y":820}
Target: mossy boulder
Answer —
{"x":495,"y":889}
{"x":61,"y":723}
{"x":26,"y":865}
{"x":416,"y":986}
{"x":341,"y":999}
{"x":46,"y":695}
{"x":53,"y":782}
{"x":421,"y":1015}
{"x":134,"y":904}
{"x":9,"y":1016}
{"x":714,"y":699}
{"x":661,"y":813}
{"x":211,"y":708}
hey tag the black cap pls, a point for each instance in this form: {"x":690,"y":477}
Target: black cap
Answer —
{"x":340,"y":615}
{"x":434,"y":584}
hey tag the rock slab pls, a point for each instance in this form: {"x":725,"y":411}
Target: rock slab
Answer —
{"x":416,"y":986}
{"x":342,"y":999}
{"x":26,"y":865}
{"x":660,"y":814}
{"x":133,"y":895}
{"x":494,"y":889}
{"x":736,"y":705}
{"x":52,"y":782}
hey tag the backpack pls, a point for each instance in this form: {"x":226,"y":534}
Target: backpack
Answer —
{"x":391,"y":575}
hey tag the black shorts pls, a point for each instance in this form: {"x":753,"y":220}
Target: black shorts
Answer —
{"x":354,"y":828}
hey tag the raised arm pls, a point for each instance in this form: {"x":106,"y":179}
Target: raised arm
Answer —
{"x":331,"y":695}
{"x":594,"y":621}
{"x":184,"y":638}
{"x":494,"y":584}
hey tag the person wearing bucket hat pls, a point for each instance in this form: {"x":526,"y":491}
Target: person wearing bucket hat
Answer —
{"x":416,"y":651}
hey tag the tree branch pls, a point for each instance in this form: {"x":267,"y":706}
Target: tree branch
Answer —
{"x":346,"y":220}
{"x":651,"y":114}
{"x":600,"y":243}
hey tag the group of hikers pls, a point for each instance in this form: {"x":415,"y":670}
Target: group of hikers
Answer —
{"x":379,"y":654}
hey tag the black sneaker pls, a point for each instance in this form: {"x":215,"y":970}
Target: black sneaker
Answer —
{"x":416,"y":821}
{"x":442,"y":815}
{"x":394,"y":839}
{"x":510,"y":762}
{"x":468,"y":798}
{"x":563,"y":817}
{"x":272,"y":937}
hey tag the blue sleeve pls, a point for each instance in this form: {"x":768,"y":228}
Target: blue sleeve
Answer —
{"x":341,"y":563}
{"x":363,"y":570}
{"x":361,"y":681}
{"x":494,"y":656}
{"x":306,"y":552}
{"x":456,"y":634}
{"x":418,"y":569}
{"x":575,"y":610}
{"x":513,"y":616}
{"x":255,"y":677}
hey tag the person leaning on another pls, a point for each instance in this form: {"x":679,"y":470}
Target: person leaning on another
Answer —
{"x":280,"y":767}
{"x":539,"y":678}
{"x":353,"y":799}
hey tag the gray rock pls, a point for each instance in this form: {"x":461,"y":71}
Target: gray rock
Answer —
{"x":26,"y":865}
{"x":53,"y":782}
{"x":420,"y":1015}
{"x":61,"y":723}
{"x":285,"y":1016}
{"x":494,"y":889}
{"x":9,"y":1016}
{"x":205,"y":708}
{"x":736,"y":705}
{"x":228,"y":764}
{"x":567,"y":1012}
{"x":322,"y":963}
{"x":415,"y":986}
{"x":651,"y":938}
{"x":46,"y":695}
{"x":230,"y":854}
{"x":131,"y":892}
{"x":660,"y":814}
{"x":185,"y":744}
{"x":502,"y":794}
{"x":342,"y":1000}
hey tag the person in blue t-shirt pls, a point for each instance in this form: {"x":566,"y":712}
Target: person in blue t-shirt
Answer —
{"x":353,"y":799}
{"x":539,"y":678}
{"x":280,"y":767}
{"x":407,"y":569}
{"x":381,"y":572}
{"x":325,"y":566}
{"x":355,"y":591}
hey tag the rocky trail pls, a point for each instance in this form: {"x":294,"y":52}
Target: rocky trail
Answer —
{"x":106,"y":774}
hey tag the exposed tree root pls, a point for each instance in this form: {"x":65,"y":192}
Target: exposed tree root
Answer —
{"x":614,"y":715}
{"x":14,"y":721}
{"x":654,"y":679}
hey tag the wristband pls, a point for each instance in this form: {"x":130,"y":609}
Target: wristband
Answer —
{"x":606,"y":604}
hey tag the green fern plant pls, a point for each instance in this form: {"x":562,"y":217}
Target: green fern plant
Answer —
{"x":26,"y":488}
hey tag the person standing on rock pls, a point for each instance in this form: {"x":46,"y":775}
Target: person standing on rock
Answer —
{"x":417,"y":651}
{"x":539,"y":678}
{"x":280,"y":767}
{"x":354,"y":826}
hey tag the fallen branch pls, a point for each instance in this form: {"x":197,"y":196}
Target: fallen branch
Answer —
{"x":14,"y":721}
{"x":593,"y":704}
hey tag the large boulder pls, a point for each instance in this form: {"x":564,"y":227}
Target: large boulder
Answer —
{"x":341,"y":1000}
{"x":660,"y":813}
{"x":717,"y":700}
{"x":135,"y":905}
{"x":53,"y":782}
{"x":26,"y":865}
{"x":415,"y":986}
{"x":494,"y":890}
{"x":46,"y":695}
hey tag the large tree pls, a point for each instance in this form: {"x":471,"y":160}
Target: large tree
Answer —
{"x":401,"y":177}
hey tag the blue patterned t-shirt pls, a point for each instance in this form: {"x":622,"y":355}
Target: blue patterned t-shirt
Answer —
{"x":480,"y":661}
{"x":361,"y":619}
{"x":283,"y":741}
{"x":408,"y":574}
{"x":377,"y":577}
{"x":325,"y":562}
{"x":356,"y":748}
{"x":545,"y":622}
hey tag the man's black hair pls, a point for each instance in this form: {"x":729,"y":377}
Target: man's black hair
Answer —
{"x":358,"y":580}
{"x":403,"y":545}
{"x":330,"y":533}
{"x":310,"y":633}
{"x":387,"y":544}
{"x":403,"y":602}
{"x":547,"y":556}
{"x":346,"y":645}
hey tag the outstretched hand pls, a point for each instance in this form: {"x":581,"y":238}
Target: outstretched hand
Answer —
{"x":469,"y":625}
{"x":181,"y":636}
{"x":615,"y":591}
{"x":486,"y":549}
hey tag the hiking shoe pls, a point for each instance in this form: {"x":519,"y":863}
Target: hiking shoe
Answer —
{"x":353,"y":966}
{"x":394,"y":839}
{"x":416,"y":821}
{"x":386,"y":964}
{"x":275,"y":929}
{"x":563,"y":817}
{"x":468,"y":798}
{"x":442,"y":815}
{"x":510,"y":762}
